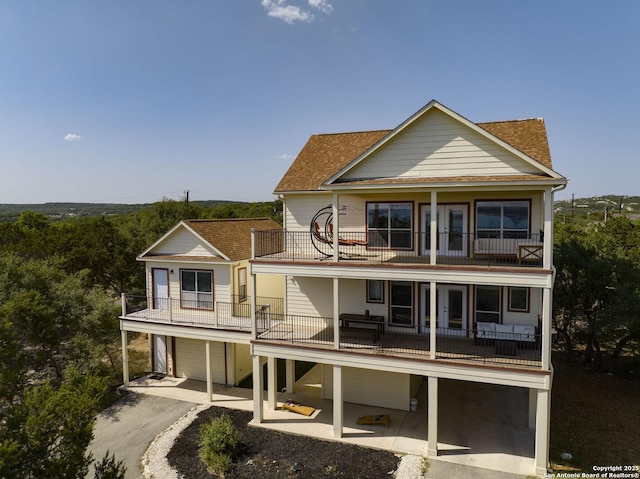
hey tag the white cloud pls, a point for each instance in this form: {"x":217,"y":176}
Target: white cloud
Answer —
{"x":322,"y":5}
{"x":291,"y":13}
{"x":284,"y":156}
{"x":72,"y":137}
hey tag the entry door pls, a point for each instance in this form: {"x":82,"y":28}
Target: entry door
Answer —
{"x":451,"y":309}
{"x":159,"y":354}
{"x":160,"y":288}
{"x":452,"y":230}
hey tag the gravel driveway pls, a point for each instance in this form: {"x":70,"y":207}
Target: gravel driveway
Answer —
{"x":127,"y":427}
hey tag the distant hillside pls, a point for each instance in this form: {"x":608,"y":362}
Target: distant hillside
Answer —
{"x":58,"y":211}
{"x":599,"y":206}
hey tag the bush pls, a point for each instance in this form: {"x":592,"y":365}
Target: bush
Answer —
{"x":219,"y":444}
{"x":109,"y":468}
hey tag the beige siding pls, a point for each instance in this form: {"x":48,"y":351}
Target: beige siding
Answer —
{"x":310,"y":296}
{"x":301,"y":208}
{"x":191,"y":363}
{"x":515,"y":317}
{"x":369,"y":387}
{"x":243,"y":364}
{"x":438,"y":146}
{"x":183,"y":243}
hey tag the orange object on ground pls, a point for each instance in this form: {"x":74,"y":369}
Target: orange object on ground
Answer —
{"x":383,"y":419}
{"x":291,"y":405}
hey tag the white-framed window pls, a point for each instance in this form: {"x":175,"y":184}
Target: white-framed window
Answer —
{"x":196,"y":289}
{"x":519,"y":299}
{"x":375,"y":291}
{"x":242,"y":284}
{"x":390,"y":225}
{"x":488,"y":300}
{"x":401,"y":303}
{"x":502,"y":219}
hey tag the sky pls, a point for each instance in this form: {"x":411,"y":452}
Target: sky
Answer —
{"x":133,"y":101}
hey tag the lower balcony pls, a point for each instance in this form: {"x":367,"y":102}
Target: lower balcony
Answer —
{"x":468,"y":346}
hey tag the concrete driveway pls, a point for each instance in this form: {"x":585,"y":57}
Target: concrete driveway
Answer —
{"x":128,"y":426}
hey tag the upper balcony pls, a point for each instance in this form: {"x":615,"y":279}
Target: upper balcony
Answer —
{"x":464,"y":249}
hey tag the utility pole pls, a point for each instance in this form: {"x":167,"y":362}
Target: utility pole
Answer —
{"x":186,"y":197}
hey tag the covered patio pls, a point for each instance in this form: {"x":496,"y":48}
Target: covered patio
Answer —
{"x":480,"y":425}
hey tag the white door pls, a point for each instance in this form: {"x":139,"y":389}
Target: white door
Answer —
{"x":159,"y":354}
{"x":160,"y":288}
{"x":451,"y":309}
{"x":451,"y":229}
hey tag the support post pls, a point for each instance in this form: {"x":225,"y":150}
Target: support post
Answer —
{"x":252,"y":301}
{"x":123,"y":303}
{"x":433,"y":324}
{"x":533,"y":397}
{"x":290,"y":372}
{"x":335,"y":209}
{"x":432,"y":426}
{"x":207,"y":354}
{"x":338,"y":416}
{"x":543,"y":407}
{"x":125,"y":358}
{"x":258,"y":407}
{"x":336,"y":313}
{"x":434,"y":228}
{"x":545,"y":329}
{"x":547,"y":245}
{"x":272,"y":384}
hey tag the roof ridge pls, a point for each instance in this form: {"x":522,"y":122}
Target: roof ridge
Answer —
{"x":352,"y":132}
{"x":511,"y":121}
{"x":203,"y":220}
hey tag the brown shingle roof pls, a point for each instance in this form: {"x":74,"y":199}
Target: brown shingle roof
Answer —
{"x":232,"y":237}
{"x":325,"y":155}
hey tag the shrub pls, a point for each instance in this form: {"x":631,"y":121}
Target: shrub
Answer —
{"x":219,"y":444}
{"x":109,"y":468}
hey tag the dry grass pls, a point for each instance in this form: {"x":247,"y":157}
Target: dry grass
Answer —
{"x":595,"y":417}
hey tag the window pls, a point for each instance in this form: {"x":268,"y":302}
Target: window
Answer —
{"x":519,"y":299}
{"x":488,"y":304}
{"x":242,"y":284}
{"x":502,"y":219}
{"x":196,"y":289}
{"x":389,"y":225}
{"x":401,"y":302}
{"x":375,"y":291}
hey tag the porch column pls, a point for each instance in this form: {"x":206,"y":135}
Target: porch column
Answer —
{"x":434,"y":227}
{"x":547,"y":247}
{"x":258,"y":409}
{"x":433,"y":311}
{"x":207,"y":354}
{"x":338,"y":417}
{"x":545,"y":329}
{"x":432,"y":426}
{"x":533,"y":397}
{"x":290,"y":373}
{"x":125,"y":358}
{"x":336,"y":225}
{"x":252,"y":300}
{"x":543,"y":407}
{"x":336,"y":313}
{"x":272,"y":384}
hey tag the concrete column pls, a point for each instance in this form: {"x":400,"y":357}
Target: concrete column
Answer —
{"x":336,"y":313}
{"x":258,"y":409}
{"x":272,"y":383}
{"x":290,"y":372}
{"x":533,"y":397}
{"x":543,"y":407}
{"x":338,"y":415}
{"x":207,"y":354}
{"x":547,"y":247}
{"x":252,"y":300}
{"x":125,"y":358}
{"x":432,"y":427}
{"x":433,"y":312}
{"x":336,"y":225}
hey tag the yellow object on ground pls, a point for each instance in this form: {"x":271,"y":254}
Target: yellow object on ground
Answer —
{"x":375,"y":420}
{"x":297,"y":407}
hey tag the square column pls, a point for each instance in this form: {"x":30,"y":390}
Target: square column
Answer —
{"x":272,"y":384}
{"x":533,"y":399}
{"x":207,"y":354}
{"x":543,"y":407}
{"x":433,"y":313}
{"x":290,"y":372}
{"x":432,"y":427}
{"x":338,"y":415}
{"x":258,"y":408}
{"x":125,"y":358}
{"x":336,"y":312}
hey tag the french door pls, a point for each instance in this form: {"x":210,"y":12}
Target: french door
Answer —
{"x":451,"y":231}
{"x":451,"y":309}
{"x":160,"y":288}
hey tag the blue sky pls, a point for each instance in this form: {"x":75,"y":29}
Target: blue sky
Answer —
{"x":130,"y":101}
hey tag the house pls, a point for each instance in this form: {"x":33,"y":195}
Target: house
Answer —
{"x":196,"y":310}
{"x":416,"y":255}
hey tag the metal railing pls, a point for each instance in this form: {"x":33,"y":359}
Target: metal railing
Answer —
{"x":220,"y":314}
{"x":405,"y":247}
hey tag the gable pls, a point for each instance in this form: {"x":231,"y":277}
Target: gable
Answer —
{"x":183,"y":242}
{"x":436,"y":145}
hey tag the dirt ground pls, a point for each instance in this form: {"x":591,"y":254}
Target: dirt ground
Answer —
{"x":268,"y":454}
